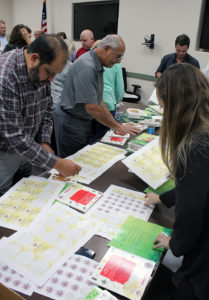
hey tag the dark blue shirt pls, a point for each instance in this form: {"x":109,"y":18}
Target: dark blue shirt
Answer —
{"x":170,"y":59}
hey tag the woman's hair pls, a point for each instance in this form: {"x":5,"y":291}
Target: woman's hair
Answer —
{"x":16,"y":37}
{"x":95,"y":44}
{"x":184,"y":91}
{"x":62,"y":34}
{"x":71,"y":47}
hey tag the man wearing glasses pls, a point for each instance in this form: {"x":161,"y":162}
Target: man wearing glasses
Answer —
{"x":82,"y":95}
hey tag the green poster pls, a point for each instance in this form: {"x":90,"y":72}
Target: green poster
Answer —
{"x":136,"y":236}
{"x":165,"y":187}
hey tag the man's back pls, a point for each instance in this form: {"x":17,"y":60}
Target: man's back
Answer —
{"x":83,"y":84}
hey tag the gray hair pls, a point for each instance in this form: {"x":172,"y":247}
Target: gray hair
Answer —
{"x":111,"y":40}
{"x":2,"y":22}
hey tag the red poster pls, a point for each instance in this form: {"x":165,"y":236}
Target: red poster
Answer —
{"x":83,"y":197}
{"x":118,"y":269}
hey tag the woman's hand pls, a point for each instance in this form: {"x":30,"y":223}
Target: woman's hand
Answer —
{"x":25,"y":35}
{"x":152,"y":199}
{"x":162,"y":240}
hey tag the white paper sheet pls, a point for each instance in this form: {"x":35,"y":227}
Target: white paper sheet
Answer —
{"x":153,"y":97}
{"x":110,"y":224}
{"x":38,"y":254}
{"x":147,"y":164}
{"x":27,"y":202}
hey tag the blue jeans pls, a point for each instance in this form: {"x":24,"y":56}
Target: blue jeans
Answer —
{"x":12,"y":168}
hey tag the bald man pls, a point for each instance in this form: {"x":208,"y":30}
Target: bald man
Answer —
{"x":82,"y":97}
{"x":87,"y":40}
{"x":38,"y":32}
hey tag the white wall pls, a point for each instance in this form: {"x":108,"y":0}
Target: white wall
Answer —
{"x":6,"y":13}
{"x":164,"y":18}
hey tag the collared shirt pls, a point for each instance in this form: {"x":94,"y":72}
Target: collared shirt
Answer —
{"x":170,"y":59}
{"x":83,"y":85}
{"x":80,"y":52}
{"x":25,"y":111}
{"x":3,"y":42}
{"x":113,"y":86}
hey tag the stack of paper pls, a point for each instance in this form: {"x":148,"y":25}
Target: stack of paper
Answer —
{"x":123,"y":273}
{"x":155,"y":110}
{"x":136,"y":113}
{"x":79,"y":196}
{"x":113,"y":138}
{"x":140,"y":141}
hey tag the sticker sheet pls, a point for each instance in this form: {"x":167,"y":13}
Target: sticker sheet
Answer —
{"x":147,"y":164}
{"x":98,"y":294}
{"x":38,"y":254}
{"x":71,"y":281}
{"x":112,"y":138}
{"x":14,"y":280}
{"x":121,"y":202}
{"x":79,"y":196}
{"x":26,"y":202}
{"x":123,"y":273}
{"x":110,"y":224}
{"x":95,"y":160}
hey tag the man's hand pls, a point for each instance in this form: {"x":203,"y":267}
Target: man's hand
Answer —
{"x":47,"y":147}
{"x":67,"y":167}
{"x":124,"y":129}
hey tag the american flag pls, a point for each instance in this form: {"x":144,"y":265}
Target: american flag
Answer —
{"x":44,"y":18}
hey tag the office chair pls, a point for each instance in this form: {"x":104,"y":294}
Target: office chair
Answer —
{"x":130,"y":96}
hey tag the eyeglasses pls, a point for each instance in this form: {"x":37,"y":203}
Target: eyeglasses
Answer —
{"x":118,"y":57}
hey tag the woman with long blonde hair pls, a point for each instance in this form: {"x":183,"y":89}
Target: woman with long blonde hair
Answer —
{"x":183,"y":91}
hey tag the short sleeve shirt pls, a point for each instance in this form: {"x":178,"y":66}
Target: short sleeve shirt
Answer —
{"x":170,"y":59}
{"x":83,"y":85}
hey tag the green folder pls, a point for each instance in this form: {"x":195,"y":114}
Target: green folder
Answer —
{"x":136,"y":236}
{"x":165,"y":187}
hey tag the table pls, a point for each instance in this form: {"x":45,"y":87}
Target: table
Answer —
{"x":119,"y":175}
